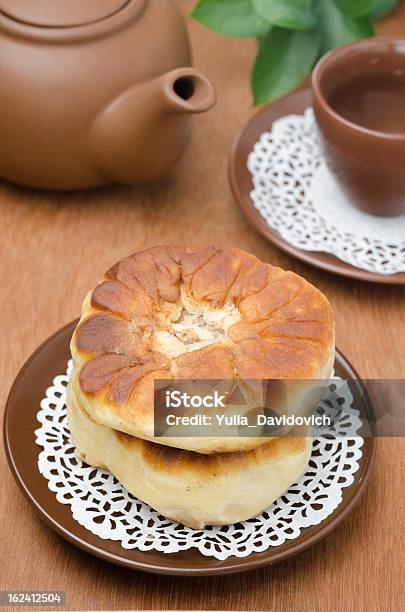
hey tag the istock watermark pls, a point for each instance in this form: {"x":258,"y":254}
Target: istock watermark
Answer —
{"x":240,"y":421}
{"x":13,"y":599}
{"x":177,"y":399}
{"x":229,"y":408}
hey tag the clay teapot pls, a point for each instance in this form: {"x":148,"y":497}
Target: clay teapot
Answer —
{"x":95,"y":91}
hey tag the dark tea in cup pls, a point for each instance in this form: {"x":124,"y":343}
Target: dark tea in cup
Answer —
{"x":374,"y":102}
{"x":359,"y":105}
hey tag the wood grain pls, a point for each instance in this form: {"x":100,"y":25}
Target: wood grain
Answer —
{"x":53,"y":249}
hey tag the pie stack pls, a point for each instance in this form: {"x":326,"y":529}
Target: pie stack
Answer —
{"x":180,"y":313}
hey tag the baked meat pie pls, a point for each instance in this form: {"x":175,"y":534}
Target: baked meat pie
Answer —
{"x":195,"y":312}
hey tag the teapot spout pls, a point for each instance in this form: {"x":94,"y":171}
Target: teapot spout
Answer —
{"x":139,"y":137}
{"x":187,"y":90}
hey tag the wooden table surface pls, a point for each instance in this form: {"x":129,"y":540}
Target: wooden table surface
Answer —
{"x":55,"y":247}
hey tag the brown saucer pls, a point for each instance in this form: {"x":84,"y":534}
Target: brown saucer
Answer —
{"x":20,"y":423}
{"x":241,"y":185}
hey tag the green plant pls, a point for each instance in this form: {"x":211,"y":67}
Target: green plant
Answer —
{"x":292,"y":34}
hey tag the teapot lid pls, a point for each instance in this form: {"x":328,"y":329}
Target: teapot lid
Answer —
{"x":60,"y":13}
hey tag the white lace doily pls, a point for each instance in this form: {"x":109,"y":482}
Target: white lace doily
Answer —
{"x":296,"y":195}
{"x":102,"y":505}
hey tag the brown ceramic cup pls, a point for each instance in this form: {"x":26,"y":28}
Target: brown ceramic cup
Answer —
{"x":369,"y":165}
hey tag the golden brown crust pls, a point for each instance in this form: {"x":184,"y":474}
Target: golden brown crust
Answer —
{"x":284,"y":329}
{"x":212,"y":362}
{"x":168,"y":459}
{"x":172,"y":459}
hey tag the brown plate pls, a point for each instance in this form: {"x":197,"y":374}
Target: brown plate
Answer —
{"x":241,"y":185}
{"x":20,"y":422}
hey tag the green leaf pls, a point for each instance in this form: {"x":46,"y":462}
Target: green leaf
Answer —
{"x":355,"y":8}
{"x":283,"y":60}
{"x":339,"y":29}
{"x":381,"y":8}
{"x":294,"y":14}
{"x":230,"y":17}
